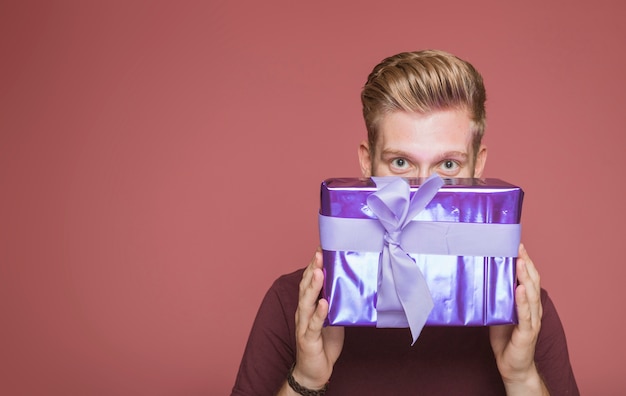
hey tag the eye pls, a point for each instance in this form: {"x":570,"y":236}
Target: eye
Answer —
{"x":448,"y":164}
{"x":449,"y":167}
{"x":400,"y":163}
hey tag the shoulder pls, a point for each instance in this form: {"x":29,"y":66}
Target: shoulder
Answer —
{"x":283,"y":295}
{"x":551,"y":339}
{"x":545,"y":298}
{"x":549,"y":309}
{"x":271,"y":346}
{"x":289,"y":281}
{"x":551,"y":352}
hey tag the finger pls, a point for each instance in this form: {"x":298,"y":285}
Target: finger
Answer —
{"x":527,"y":299}
{"x":529,"y":278}
{"x":499,"y":337}
{"x":307,"y":276}
{"x":524,"y":315}
{"x":319,"y":316}
{"x":308,"y":271}
{"x":312,"y":332}
{"x":333,"y":341}
{"x":530,"y":266}
{"x":310,"y":288}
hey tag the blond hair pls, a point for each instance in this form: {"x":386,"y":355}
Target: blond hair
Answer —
{"x":423,"y":82}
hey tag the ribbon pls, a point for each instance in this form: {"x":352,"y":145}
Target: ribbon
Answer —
{"x":422,"y":237}
{"x":399,"y":277}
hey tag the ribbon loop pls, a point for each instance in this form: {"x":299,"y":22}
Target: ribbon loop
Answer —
{"x":399,"y":277}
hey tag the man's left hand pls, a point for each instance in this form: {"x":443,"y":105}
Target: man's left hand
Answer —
{"x":514,"y":346}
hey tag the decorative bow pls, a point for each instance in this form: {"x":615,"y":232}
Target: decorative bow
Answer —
{"x":400,"y":281}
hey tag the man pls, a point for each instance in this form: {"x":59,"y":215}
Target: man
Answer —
{"x":425,"y":113}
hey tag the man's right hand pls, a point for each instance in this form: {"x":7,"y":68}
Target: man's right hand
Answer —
{"x":318,"y":347}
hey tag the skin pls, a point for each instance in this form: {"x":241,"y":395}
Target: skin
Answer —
{"x":417,"y":145}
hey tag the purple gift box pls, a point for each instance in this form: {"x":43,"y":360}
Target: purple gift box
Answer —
{"x":461,"y":240}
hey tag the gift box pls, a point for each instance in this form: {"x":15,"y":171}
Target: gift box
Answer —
{"x":449,"y":262}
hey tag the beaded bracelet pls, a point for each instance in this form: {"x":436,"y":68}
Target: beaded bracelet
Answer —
{"x":301,"y":389}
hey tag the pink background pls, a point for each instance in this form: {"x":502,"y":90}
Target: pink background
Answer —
{"x":160,"y":167}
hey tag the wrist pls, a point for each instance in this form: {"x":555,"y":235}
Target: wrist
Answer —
{"x":303,"y":386}
{"x":529,"y":384}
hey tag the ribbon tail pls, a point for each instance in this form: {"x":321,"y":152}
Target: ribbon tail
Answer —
{"x":388,"y":304}
{"x":412,"y":290}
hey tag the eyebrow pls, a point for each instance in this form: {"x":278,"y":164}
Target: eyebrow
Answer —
{"x":448,"y":154}
{"x":455,"y":154}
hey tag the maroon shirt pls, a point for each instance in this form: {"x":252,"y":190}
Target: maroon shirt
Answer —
{"x":443,"y":361}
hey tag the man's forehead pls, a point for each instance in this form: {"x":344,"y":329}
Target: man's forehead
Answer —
{"x":435,"y":134}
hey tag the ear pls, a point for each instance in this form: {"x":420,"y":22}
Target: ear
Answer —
{"x":364,"y":159}
{"x":481,"y":159}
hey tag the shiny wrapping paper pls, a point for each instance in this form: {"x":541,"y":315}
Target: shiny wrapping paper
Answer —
{"x":467,"y":290}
